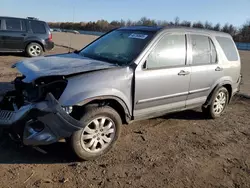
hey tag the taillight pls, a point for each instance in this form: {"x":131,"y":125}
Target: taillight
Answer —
{"x":50,"y":36}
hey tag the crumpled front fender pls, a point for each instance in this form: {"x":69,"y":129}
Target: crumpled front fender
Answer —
{"x":48,"y":115}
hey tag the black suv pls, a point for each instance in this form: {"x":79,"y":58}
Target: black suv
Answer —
{"x":29,"y":35}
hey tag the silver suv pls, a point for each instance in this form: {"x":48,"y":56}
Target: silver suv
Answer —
{"x":128,"y":74}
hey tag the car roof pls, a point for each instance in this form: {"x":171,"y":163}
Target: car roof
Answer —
{"x":142,"y":28}
{"x":28,"y":18}
{"x":175,"y":29}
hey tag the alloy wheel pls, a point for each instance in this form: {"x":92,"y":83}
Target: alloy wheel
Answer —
{"x":98,"y":134}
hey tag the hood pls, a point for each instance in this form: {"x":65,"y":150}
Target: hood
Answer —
{"x":58,"y":65}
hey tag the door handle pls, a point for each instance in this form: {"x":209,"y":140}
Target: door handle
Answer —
{"x":218,"y":69}
{"x":183,"y":73}
{"x":23,"y":34}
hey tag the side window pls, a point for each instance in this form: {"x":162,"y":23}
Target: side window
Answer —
{"x":169,"y":52}
{"x":23,"y":24}
{"x":13,"y":24}
{"x":228,"y":48}
{"x":37,"y":27}
{"x":203,"y":50}
{"x":0,"y":24}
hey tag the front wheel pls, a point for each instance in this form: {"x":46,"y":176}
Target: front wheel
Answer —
{"x":101,"y":129}
{"x":219,"y":102}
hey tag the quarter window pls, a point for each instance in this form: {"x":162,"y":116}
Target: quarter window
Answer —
{"x":203,"y":50}
{"x":228,"y":48}
{"x":169,"y":52}
{"x":14,"y":25}
{"x":37,"y":27}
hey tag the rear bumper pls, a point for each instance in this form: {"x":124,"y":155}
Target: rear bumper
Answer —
{"x":44,"y":122}
{"x":239,"y":82}
{"x":236,"y":89}
{"x":49,"y":45}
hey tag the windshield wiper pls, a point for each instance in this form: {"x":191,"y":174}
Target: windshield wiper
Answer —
{"x":109,"y":60}
{"x":103,"y":58}
{"x":119,"y":59}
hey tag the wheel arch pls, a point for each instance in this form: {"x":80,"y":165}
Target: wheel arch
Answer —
{"x":226,"y":84}
{"x":113,"y":101}
{"x":34,"y":41}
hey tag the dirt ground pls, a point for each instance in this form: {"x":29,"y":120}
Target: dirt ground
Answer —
{"x":178,"y":150}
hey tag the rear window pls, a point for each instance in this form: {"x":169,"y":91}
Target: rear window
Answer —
{"x":37,"y":27}
{"x":228,"y":48}
{"x":14,"y":25}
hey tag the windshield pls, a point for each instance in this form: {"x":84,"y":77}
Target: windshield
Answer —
{"x":118,"y":47}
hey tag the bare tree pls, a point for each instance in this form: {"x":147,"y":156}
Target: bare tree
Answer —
{"x":208,"y":25}
{"x":241,"y":34}
{"x":198,"y":25}
{"x":129,"y":23}
{"x":225,"y":28}
{"x":217,"y":27}
{"x":147,"y":22}
{"x":244,"y":32}
{"x":185,"y":23}
{"x":177,"y":21}
{"x":232,"y":30}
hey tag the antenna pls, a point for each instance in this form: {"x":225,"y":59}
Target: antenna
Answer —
{"x":70,"y":32}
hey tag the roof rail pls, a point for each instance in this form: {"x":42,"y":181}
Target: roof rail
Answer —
{"x":32,"y":18}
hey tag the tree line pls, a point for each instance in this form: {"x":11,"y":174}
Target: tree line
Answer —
{"x":241,"y":34}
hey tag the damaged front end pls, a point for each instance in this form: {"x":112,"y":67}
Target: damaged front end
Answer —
{"x":32,"y":111}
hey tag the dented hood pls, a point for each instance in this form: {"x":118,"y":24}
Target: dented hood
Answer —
{"x":58,"y":65}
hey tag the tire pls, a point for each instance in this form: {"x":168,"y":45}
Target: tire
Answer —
{"x":34,"y":50}
{"x":221,"y":97}
{"x":96,"y":140}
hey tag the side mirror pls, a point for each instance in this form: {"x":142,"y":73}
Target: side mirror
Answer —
{"x":149,"y":60}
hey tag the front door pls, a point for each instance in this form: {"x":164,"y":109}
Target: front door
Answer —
{"x":13,"y":34}
{"x":205,"y":66}
{"x":162,"y":82}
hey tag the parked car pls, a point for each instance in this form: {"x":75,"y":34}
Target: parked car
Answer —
{"x":28,"y":35}
{"x":128,"y":74}
{"x":55,"y":30}
{"x":71,"y":31}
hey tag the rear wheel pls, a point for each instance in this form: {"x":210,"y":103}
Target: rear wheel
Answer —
{"x":101,"y":129}
{"x":34,"y":50}
{"x":218,"y":105}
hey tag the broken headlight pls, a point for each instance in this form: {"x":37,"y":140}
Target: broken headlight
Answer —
{"x":30,"y":93}
{"x":38,"y":90}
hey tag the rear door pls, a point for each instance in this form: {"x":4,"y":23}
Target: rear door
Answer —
{"x":206,"y":68}
{"x":13,"y":34}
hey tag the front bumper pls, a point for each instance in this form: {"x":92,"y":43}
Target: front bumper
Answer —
{"x":53,"y":122}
